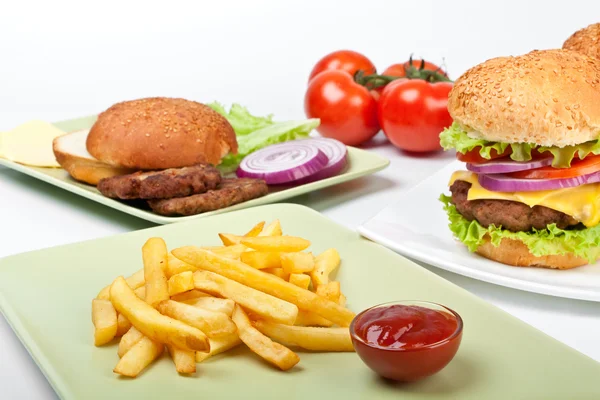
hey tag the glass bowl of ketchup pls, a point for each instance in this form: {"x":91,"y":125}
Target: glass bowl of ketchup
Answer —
{"x":406,"y":340}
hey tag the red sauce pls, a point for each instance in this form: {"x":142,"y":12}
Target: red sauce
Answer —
{"x":406,"y":342}
{"x":405,"y":327}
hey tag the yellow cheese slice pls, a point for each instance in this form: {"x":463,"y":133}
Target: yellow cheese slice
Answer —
{"x":31,"y":144}
{"x":581,"y":202}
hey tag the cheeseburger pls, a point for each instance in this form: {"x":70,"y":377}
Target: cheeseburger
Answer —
{"x":528,"y":129}
{"x":585,"y":41}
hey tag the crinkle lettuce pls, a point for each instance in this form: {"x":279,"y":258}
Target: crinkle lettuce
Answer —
{"x":552,"y":240}
{"x":253,"y":133}
{"x":454,"y":137}
{"x":240,"y":118}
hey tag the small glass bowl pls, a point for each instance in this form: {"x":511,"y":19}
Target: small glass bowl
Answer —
{"x":410,"y":364}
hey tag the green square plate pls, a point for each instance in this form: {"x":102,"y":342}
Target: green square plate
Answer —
{"x":360,"y":163}
{"x":46,"y":297}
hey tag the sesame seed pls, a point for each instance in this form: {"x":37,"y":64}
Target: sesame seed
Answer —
{"x":147,"y":135}
{"x":558,"y":124}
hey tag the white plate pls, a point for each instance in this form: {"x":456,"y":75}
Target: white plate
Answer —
{"x":417,"y":226}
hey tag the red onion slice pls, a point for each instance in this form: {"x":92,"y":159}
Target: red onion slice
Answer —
{"x":503,"y":183}
{"x":506,"y":166}
{"x":336,"y":152}
{"x":283,"y":162}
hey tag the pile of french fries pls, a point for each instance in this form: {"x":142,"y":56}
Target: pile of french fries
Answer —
{"x":262,"y":289}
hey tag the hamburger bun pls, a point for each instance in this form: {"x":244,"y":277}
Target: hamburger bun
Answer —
{"x":159,"y":133}
{"x":547,"y":97}
{"x":585,"y":41}
{"x":515,"y":253}
{"x":71,"y":154}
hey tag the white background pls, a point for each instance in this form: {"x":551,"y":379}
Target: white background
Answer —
{"x":63,"y":59}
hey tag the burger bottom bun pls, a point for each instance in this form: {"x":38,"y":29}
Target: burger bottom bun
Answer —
{"x":70,"y":152}
{"x":515,"y":253}
{"x":89,"y":171}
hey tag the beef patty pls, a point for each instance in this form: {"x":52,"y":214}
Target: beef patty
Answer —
{"x":230,"y":192}
{"x":511,"y":215}
{"x":165,"y":184}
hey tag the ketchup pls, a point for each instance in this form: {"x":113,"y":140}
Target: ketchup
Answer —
{"x":408,"y":340}
{"x":405,"y":327}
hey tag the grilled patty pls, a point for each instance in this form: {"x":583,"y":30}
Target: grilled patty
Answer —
{"x":229,"y":192}
{"x":165,"y":184}
{"x":511,"y":215}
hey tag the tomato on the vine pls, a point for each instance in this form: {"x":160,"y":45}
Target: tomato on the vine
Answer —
{"x":347,"y":110}
{"x":344,"y":60}
{"x":413,"y":112}
{"x":400,"y":70}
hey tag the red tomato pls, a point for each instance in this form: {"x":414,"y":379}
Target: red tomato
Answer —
{"x":413,"y":112}
{"x":347,"y":110}
{"x":399,"y":70}
{"x":588,"y":165}
{"x":345,"y":60}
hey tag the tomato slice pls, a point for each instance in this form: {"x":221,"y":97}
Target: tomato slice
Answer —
{"x":588,"y":165}
{"x":473,"y":156}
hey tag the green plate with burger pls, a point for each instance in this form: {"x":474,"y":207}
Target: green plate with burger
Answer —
{"x":293,"y":163}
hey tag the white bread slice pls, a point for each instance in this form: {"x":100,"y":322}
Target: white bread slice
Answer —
{"x":72,"y":155}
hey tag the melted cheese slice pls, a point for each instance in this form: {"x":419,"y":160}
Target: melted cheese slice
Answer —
{"x":30,"y":144}
{"x":581,"y":202}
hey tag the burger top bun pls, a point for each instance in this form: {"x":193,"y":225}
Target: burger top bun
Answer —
{"x":585,"y":41}
{"x":546,"y":97}
{"x":160,"y":133}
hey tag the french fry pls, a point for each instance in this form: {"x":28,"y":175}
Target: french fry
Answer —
{"x":213,"y":324}
{"x":273,"y":229}
{"x":297,"y":263}
{"x":123,"y":325}
{"x":263,"y":304}
{"x":256,"y":229}
{"x":180,"y":283}
{"x":155,"y":256}
{"x":325,"y":264}
{"x":104,"y":318}
{"x":300,"y":280}
{"x":219,"y":345}
{"x":257,"y":279}
{"x":134,"y":281}
{"x":184,"y":360}
{"x":215,"y":304}
{"x":141,"y":292}
{"x":272,"y":352}
{"x":189,"y":295}
{"x":278,"y":272}
{"x":342,"y":300}
{"x":261,"y":259}
{"x":176,"y":266}
{"x":307,"y":318}
{"x":330,"y":291}
{"x":153,"y":324}
{"x":233,"y":251}
{"x":309,"y":338}
{"x":229,"y":239}
{"x":276,"y":243}
{"x":128,"y":340}
{"x":139,"y":357}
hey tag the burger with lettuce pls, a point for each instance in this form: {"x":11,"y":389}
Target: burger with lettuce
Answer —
{"x":528,"y":129}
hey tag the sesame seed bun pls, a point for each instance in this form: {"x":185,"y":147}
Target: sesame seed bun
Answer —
{"x":160,"y":133}
{"x":546,"y":97}
{"x":585,"y":41}
{"x":515,"y":253}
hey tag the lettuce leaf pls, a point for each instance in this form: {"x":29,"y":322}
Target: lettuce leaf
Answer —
{"x":552,"y":240}
{"x":277,"y":132}
{"x":253,"y":132}
{"x":455,"y":137}
{"x":240,"y":118}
